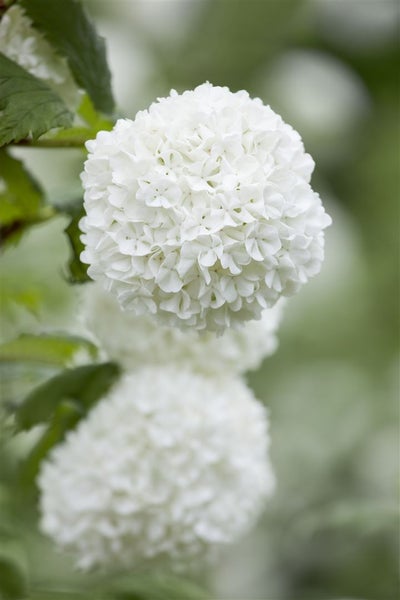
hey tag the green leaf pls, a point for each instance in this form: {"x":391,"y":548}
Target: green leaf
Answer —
{"x":83,"y":386}
{"x":77,"y":271}
{"x":22,"y":196}
{"x":77,"y":136}
{"x":62,"y":401}
{"x":50,"y":349}
{"x":71,"y":33}
{"x":18,"y":378}
{"x":28,"y":106}
{"x":29,"y":297}
{"x":158,"y":587}
{"x":21,"y":199}
{"x":89,"y":114}
{"x":13,"y":583}
{"x":13,"y":559}
{"x":65,"y":417}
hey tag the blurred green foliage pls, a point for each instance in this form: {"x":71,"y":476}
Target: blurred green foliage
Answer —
{"x":332,"y":388}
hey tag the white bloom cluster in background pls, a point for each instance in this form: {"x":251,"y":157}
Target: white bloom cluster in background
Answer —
{"x":170,"y":464}
{"x":321,"y":96}
{"x":135,"y":341}
{"x":26,"y":46}
{"x":200,"y":211}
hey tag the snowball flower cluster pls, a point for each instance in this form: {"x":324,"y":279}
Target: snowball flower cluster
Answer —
{"x":26,"y":46}
{"x":169,"y":464}
{"x":134,"y":341}
{"x":200,"y":211}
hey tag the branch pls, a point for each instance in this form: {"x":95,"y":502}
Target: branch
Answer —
{"x":53,"y":143}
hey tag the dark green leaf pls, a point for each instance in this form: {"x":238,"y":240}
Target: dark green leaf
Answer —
{"x":61,"y":401}
{"x":50,"y":349}
{"x":82,"y":385}
{"x":28,"y":106}
{"x":77,"y":270}
{"x":158,"y":587}
{"x":67,"y":27}
{"x":13,"y":584}
{"x":65,"y":417}
{"x":77,"y":136}
{"x":17,"y":379}
{"x":72,"y":207}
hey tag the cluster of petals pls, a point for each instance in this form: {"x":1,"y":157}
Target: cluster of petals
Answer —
{"x":200,"y":211}
{"x":170,"y":464}
{"x":134,"y":341}
{"x":26,"y":46}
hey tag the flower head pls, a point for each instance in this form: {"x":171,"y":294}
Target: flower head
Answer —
{"x":135,"y":341}
{"x":26,"y":46}
{"x":169,"y":465}
{"x":200,"y":210}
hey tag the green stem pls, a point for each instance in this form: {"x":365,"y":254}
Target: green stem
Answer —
{"x":49,"y":143}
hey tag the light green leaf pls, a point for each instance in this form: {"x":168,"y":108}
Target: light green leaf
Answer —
{"x":82,"y":386}
{"x":29,"y":297}
{"x":73,"y":136}
{"x":27,"y":105}
{"x":22,"y":196}
{"x":72,"y":34}
{"x":158,"y":587}
{"x":21,"y":199}
{"x":89,"y":114}
{"x":50,"y":349}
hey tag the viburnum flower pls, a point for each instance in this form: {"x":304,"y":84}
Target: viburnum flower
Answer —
{"x":26,"y":46}
{"x":134,"y":341}
{"x":169,"y":465}
{"x":200,"y":211}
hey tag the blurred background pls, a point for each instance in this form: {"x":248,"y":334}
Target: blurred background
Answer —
{"x":330,"y":68}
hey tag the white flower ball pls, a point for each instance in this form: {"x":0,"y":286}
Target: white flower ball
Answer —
{"x":133,"y":341}
{"x":170,"y":465}
{"x":200,"y":210}
{"x":26,"y":46}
